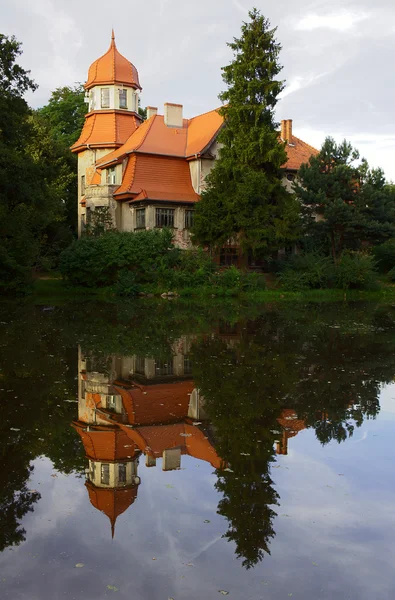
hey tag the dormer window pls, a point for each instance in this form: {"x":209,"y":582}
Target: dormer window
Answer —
{"x":111,"y":176}
{"x":105,"y":97}
{"x":123,"y":98}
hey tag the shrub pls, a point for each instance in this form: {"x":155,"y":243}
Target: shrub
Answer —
{"x":126,"y":284}
{"x":391,"y":275}
{"x":355,"y":270}
{"x":96,"y":261}
{"x":304,"y":271}
{"x":385,"y":255}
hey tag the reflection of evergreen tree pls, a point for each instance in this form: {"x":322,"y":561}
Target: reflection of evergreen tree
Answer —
{"x":244,"y":420}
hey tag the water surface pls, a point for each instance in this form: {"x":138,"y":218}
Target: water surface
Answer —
{"x":155,"y":452}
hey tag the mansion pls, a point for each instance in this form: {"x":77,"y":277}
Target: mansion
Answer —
{"x":149,"y":173}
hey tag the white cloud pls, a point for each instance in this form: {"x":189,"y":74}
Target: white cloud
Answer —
{"x":340,"y":21}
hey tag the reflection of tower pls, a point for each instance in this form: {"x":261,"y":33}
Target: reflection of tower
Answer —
{"x":290,"y":426}
{"x":133,"y":405}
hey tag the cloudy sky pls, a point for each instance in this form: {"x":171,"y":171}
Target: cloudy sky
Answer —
{"x":337,"y":57}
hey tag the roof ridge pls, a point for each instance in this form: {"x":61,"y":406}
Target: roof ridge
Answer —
{"x":146,"y":133}
{"x":306,"y":144}
{"x":205,"y":113}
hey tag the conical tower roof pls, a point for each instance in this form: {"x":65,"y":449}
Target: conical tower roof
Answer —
{"x":112,"y":69}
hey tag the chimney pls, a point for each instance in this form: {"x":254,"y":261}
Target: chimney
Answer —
{"x":173,"y":115}
{"x":151,"y":111}
{"x":286,"y":131}
{"x":283,"y":130}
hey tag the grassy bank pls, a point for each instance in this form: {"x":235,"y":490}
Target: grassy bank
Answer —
{"x":56,"y":290}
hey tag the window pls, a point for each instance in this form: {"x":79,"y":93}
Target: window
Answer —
{"x":140,"y":218}
{"x":189,"y":218}
{"x":228,"y":257}
{"x":123,"y":98}
{"x":164,"y":217}
{"x":187,"y":365}
{"x":111,"y":176}
{"x":105,"y":474}
{"x":140,"y":365}
{"x":291,"y":176}
{"x":164,"y":367}
{"x":121,"y":473}
{"x":82,"y":185}
{"x":110,"y":402}
{"x":105,"y":97}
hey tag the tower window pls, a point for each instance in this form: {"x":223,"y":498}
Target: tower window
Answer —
{"x":164,"y":217}
{"x":140,"y":218}
{"x":82,"y":185}
{"x":122,"y":473}
{"x":105,"y":97}
{"x":123,"y":98}
{"x":105,"y":474}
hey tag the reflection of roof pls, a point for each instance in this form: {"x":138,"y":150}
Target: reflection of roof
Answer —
{"x":189,"y":438}
{"x":290,"y":422}
{"x":112,"y":68}
{"x":106,"y":129}
{"x":161,"y":403}
{"x":112,"y":502}
{"x":105,"y":443}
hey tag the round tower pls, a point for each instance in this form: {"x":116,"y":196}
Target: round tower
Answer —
{"x":112,"y":94}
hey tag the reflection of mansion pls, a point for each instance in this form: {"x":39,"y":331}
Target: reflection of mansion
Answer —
{"x":130,"y":407}
{"x":138,"y":406}
{"x":149,"y":173}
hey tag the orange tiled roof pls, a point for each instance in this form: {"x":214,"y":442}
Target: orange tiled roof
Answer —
{"x":106,"y":129}
{"x":298,"y":152}
{"x":104,"y":443}
{"x":201,"y":132}
{"x":112,"y":68}
{"x":157,"y":178}
{"x":160,"y":403}
{"x":111,"y":502}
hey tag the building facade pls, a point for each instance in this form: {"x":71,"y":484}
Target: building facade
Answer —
{"x":149,"y":173}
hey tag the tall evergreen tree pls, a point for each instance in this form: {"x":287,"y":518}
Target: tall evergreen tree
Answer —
{"x":344,"y":202}
{"x":245,"y":199}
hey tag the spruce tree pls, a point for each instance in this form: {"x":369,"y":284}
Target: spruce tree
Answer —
{"x":245,"y":200}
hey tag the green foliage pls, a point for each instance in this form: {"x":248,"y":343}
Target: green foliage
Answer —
{"x":355,"y":270}
{"x":391,"y":275}
{"x":385,"y":255}
{"x":100,"y":221}
{"x":127,"y":284}
{"x":65,"y":113}
{"x":96,"y":261}
{"x":245,"y":199}
{"x":344,"y":203}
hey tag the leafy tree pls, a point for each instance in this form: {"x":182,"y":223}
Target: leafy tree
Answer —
{"x":65,"y":113}
{"x":245,"y":199}
{"x":344,"y":203}
{"x":26,"y":208}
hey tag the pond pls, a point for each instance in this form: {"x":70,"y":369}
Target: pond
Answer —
{"x":160,"y":451}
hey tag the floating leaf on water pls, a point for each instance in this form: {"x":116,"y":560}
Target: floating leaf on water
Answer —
{"x":224,"y":592}
{"x":112,"y":588}
{"x":206,"y":521}
{"x":168,"y":485}
{"x":79,"y":565}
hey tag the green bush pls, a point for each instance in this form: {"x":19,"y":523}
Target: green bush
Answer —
{"x":302,"y":271}
{"x":385,"y":255}
{"x":127,"y":284}
{"x":391,"y":275}
{"x":355,"y":270}
{"x":96,"y":261}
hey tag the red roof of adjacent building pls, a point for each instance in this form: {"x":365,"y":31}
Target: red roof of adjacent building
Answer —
{"x":112,"y":68}
{"x":298,"y":153}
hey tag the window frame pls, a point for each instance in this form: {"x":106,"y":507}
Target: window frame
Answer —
{"x":122,"y":469}
{"x":83,"y":185}
{"x":189,"y":218}
{"x":104,"y":92}
{"x":141,"y":222}
{"x":228,"y":257}
{"x":123,"y":93}
{"x":112,"y":176}
{"x":164,"y":217}
{"x":105,"y":474}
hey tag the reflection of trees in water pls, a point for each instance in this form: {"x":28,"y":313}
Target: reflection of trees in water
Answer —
{"x":327,"y":368}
